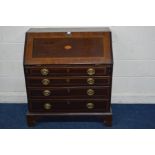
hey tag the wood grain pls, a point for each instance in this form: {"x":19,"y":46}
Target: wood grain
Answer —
{"x":88,"y":55}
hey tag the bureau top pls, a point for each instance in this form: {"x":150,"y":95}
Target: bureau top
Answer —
{"x":68,"y":46}
{"x":70,"y":29}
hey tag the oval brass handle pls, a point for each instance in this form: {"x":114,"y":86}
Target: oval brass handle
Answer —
{"x":47,"y":106}
{"x":90,"y":81}
{"x":90,"y":105}
{"x":90,"y":92}
{"x":46,"y":92}
{"x":45,"y":82}
{"x":67,"y":47}
{"x":90,"y":71}
{"x":44,"y":71}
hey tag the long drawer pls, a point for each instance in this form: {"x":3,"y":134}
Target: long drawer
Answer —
{"x":68,"y":81}
{"x":69,"y":105}
{"x":69,"y":71}
{"x":69,"y":92}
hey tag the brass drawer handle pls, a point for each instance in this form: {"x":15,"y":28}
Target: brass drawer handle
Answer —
{"x":45,"y":82}
{"x":91,"y":71}
{"x":44,"y":71}
{"x":90,"y":105}
{"x":47,"y":106}
{"x":90,"y":92}
{"x":90,"y":81}
{"x":46,"y":92}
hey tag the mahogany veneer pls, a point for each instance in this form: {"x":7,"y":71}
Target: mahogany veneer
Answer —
{"x":68,"y":72}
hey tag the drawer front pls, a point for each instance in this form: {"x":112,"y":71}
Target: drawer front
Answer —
{"x":72,"y":92}
{"x":69,"y":106}
{"x":68,"y":81}
{"x":68,"y":71}
{"x":47,"y":93}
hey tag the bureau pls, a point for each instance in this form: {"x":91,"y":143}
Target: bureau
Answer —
{"x":68,"y":72}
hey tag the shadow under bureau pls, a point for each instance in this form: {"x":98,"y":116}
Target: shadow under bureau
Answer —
{"x":68,"y":72}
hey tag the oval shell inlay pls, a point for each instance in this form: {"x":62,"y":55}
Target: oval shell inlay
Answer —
{"x":68,"y":47}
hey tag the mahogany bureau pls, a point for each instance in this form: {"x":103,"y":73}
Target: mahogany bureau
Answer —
{"x":68,"y":72}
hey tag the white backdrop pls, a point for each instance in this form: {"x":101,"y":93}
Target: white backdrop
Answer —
{"x":134,"y":62}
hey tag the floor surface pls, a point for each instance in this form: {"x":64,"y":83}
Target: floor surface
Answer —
{"x":125,"y":116}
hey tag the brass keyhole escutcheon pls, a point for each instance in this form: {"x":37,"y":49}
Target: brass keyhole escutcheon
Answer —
{"x":67,"y":80}
{"x":90,"y":92}
{"x":90,"y":81}
{"x":90,"y":105}
{"x":67,"y":47}
{"x":46,"y":92}
{"x":44,"y":71}
{"x":45,"y":82}
{"x":91,"y":71}
{"x":47,"y":106}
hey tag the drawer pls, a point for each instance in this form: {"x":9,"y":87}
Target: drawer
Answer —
{"x":71,"y":92}
{"x":69,"y":106}
{"x":67,"y":81}
{"x":68,"y":71}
